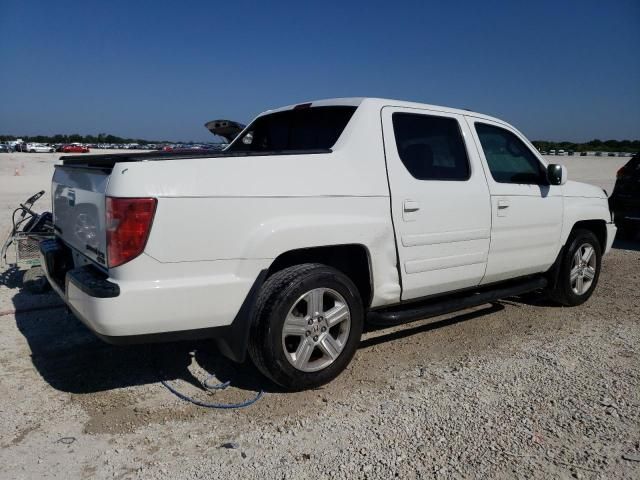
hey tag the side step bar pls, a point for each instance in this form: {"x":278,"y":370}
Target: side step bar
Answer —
{"x":398,"y":315}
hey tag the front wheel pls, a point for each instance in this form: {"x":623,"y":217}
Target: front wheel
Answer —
{"x":579,"y":270}
{"x":306,"y":326}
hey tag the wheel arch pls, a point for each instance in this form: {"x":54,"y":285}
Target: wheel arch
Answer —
{"x":589,"y":213}
{"x":352,"y":259}
{"x":598,"y":227}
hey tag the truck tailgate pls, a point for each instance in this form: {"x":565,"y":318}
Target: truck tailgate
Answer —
{"x":79,"y":209}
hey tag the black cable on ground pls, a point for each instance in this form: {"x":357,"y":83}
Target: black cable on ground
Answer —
{"x":207,"y":386}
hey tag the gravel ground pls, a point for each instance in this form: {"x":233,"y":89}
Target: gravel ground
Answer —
{"x":515,"y":389}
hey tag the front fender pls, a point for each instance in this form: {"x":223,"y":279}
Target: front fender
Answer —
{"x":577,"y":209}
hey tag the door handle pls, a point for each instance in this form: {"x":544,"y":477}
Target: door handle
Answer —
{"x":411,"y":206}
{"x":502,"y":207}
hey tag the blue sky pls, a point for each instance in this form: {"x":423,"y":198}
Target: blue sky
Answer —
{"x":159,"y":69}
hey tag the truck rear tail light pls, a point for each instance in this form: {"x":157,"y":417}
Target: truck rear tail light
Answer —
{"x":620,"y":172}
{"x":128,"y":225}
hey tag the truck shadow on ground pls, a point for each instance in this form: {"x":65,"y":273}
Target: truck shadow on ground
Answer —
{"x":71,"y":359}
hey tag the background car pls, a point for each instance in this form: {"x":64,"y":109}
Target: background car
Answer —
{"x":625,"y":199}
{"x":73,"y":149}
{"x":4,"y":148}
{"x":38,"y":148}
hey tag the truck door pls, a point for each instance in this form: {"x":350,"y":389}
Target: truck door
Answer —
{"x":526,"y":210}
{"x":439,"y":201}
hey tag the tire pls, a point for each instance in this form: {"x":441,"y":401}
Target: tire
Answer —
{"x":283,"y":301}
{"x":35,"y":281}
{"x":568,"y":291}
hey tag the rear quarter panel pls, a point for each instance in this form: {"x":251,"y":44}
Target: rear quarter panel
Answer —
{"x":263,"y":228}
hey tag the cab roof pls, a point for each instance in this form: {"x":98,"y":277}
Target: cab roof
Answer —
{"x":382,"y":102}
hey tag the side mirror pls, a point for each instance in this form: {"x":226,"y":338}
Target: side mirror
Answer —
{"x":556,"y":174}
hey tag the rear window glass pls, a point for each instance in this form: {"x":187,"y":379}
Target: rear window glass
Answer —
{"x":314,"y":128}
{"x":431,"y":148}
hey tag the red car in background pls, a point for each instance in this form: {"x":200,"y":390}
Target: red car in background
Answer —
{"x":73,"y":149}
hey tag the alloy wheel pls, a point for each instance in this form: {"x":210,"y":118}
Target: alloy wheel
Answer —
{"x":316,"y":329}
{"x":583,"y":269}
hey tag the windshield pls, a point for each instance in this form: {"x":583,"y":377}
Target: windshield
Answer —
{"x":307,"y":128}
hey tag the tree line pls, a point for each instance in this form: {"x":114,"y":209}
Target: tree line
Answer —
{"x":77,"y":138}
{"x":591,"y":146}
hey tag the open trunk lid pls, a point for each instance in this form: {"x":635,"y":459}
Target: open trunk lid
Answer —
{"x":225,"y":128}
{"x":79,"y":209}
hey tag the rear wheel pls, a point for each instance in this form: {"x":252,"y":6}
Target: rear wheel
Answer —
{"x":306,"y":327}
{"x":580,"y":269}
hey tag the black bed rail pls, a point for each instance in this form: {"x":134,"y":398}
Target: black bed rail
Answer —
{"x":109,"y":160}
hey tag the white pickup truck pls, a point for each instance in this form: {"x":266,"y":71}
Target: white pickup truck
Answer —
{"x":317,"y":218}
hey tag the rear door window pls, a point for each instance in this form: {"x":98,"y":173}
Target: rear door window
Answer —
{"x":310,"y":128}
{"x":430,"y":147}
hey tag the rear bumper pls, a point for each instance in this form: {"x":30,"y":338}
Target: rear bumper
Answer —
{"x":92,"y":282}
{"x":143,"y":311}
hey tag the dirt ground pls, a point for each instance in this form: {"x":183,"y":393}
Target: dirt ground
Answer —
{"x":515,"y":389}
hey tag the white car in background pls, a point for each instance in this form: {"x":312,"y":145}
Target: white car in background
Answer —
{"x":39,"y":148}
